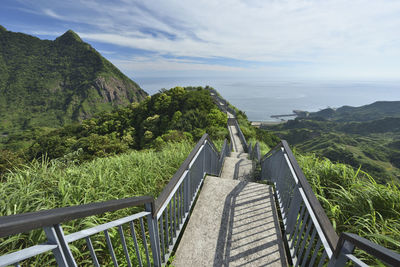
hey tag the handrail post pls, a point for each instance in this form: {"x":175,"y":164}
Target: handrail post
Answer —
{"x":187,"y":192}
{"x":153,"y":233}
{"x":345,"y":247}
{"x":62,"y":253}
{"x":293,"y":209}
{"x":249,"y":150}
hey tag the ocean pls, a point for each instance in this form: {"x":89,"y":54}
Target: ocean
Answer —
{"x":260,"y":98}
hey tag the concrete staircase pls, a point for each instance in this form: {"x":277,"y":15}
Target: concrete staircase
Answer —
{"x":234,"y":222}
{"x":238,"y":167}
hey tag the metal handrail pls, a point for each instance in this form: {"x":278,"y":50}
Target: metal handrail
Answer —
{"x":322,"y":218}
{"x":19,"y":223}
{"x":257,"y":152}
{"x":225,"y":152}
{"x":178,"y":197}
{"x":171,"y":207}
{"x":271,"y":151}
{"x":58,"y":242}
{"x":386,"y":255}
{"x":254,"y":152}
{"x":241,"y":136}
{"x":218,"y":100}
{"x":298,"y":203}
{"x":305,"y":223}
{"x":159,"y":202}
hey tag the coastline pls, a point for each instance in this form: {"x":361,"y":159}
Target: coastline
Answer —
{"x":258,"y":124}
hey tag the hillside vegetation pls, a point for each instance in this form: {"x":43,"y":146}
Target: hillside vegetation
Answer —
{"x":366,"y":138}
{"x":170,"y":115}
{"x":135,"y":151}
{"x":374,"y":111}
{"x":45,"y":184}
{"x":50,"y":83}
{"x":355,"y":202}
{"x":131,"y":151}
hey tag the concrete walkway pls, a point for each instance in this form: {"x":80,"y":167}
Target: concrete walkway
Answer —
{"x":238,"y":167}
{"x":234,"y":222}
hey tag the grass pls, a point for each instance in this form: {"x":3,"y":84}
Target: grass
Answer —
{"x":355,"y":202}
{"x":264,"y":148}
{"x":51,"y":184}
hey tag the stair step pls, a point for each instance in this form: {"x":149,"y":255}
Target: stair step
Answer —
{"x":234,"y":223}
{"x":237,"y":169}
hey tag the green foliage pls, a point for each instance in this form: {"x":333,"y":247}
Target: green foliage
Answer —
{"x":267,"y":137}
{"x":173,"y":115}
{"x":9,"y":160}
{"x":264,"y":148}
{"x":371,"y":144}
{"x":50,"y":83}
{"x":45,"y":184}
{"x":252,"y":133}
{"x":245,"y":125}
{"x":354,"y":201}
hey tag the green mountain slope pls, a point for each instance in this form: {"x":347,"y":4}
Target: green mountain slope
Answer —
{"x":354,"y":139}
{"x":374,"y":111}
{"x":49,"y":83}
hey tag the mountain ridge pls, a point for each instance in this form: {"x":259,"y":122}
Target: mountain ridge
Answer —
{"x":370,"y":112}
{"x":47,"y":83}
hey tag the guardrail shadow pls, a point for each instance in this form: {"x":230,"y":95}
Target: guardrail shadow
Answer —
{"x":240,"y":172}
{"x":249,"y":230}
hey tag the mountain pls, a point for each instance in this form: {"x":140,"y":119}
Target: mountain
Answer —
{"x":364,"y":136}
{"x":47,"y":83}
{"x":374,"y":111}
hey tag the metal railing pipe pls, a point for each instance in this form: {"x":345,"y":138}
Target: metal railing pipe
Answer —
{"x":19,"y":223}
{"x":175,"y":179}
{"x":322,"y":218}
{"x":386,"y":255}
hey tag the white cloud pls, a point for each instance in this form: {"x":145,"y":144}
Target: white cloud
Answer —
{"x":157,"y":63}
{"x":51,"y":13}
{"x":325,"y":33}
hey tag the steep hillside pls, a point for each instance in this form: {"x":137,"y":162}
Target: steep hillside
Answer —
{"x":49,"y":83}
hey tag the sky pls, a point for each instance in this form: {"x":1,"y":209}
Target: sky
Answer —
{"x":308,"y":39}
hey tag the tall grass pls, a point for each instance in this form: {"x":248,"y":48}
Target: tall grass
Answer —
{"x":51,"y":184}
{"x":264,"y":148}
{"x":354,"y":201}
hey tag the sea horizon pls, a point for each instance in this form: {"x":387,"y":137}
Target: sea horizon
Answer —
{"x":261,"y":98}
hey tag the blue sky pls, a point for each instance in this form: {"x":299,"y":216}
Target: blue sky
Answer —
{"x":308,"y":39}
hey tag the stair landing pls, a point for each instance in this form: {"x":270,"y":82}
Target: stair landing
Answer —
{"x":234,"y":223}
{"x":238,"y":167}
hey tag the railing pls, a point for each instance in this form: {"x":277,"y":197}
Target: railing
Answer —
{"x":222,"y":104}
{"x":165,"y":219}
{"x":254,"y":152}
{"x":348,"y":242}
{"x":310,"y":236}
{"x":233,"y":122}
{"x":58,"y":242}
{"x":225,"y":152}
{"x":176,"y":200}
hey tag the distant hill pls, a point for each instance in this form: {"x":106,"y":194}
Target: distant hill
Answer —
{"x":50,"y":83}
{"x":364,"y":136}
{"x":374,"y":111}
